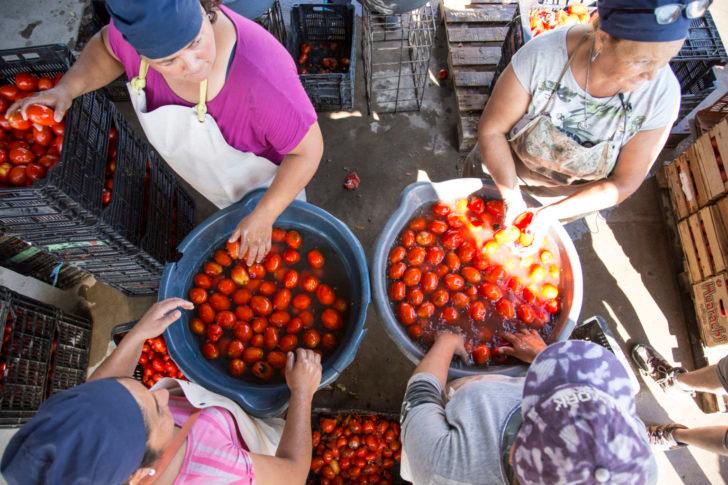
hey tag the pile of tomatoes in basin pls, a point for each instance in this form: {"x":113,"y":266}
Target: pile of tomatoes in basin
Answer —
{"x":28,"y":148}
{"x":456,"y":267}
{"x":543,"y":19}
{"x":352,"y":448}
{"x":249,"y":317}
{"x":321,"y":58}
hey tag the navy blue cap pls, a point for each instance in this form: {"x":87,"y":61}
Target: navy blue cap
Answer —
{"x":625,"y":19}
{"x":92,"y":433}
{"x":157,"y":29}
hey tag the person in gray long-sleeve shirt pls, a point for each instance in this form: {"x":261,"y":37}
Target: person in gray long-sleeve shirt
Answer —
{"x":571,"y":419}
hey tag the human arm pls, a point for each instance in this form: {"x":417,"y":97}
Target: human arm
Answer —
{"x":293,"y":456}
{"x":123,"y":360}
{"x":95,"y":68}
{"x":526,"y":344}
{"x":506,"y":106}
{"x":437,"y":360}
{"x":295,"y":172}
{"x":633,"y":164}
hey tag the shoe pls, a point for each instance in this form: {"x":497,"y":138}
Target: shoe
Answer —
{"x":655,"y":366}
{"x":661,"y":436}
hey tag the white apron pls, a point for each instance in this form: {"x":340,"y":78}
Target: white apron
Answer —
{"x":190,"y":141}
{"x":261,"y":436}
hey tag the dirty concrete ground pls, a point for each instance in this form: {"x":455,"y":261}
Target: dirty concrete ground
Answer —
{"x":630,"y":274}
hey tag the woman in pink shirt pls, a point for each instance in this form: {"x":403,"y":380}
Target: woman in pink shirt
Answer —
{"x":218,"y":97}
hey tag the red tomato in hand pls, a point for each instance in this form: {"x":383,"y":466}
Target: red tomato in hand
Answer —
{"x":16,"y":121}
{"x":40,"y":115}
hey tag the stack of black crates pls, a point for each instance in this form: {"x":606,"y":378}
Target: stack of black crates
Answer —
{"x":125,"y":243}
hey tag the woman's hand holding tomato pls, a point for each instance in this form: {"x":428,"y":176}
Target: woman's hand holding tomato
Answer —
{"x":57,"y":98}
{"x":254,"y":233}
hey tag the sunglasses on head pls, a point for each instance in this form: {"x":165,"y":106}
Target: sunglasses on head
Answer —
{"x":667,"y":14}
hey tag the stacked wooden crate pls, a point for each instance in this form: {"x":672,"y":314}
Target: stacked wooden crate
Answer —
{"x":698,"y":182}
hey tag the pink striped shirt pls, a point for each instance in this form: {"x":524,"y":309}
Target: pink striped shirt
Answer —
{"x":215,"y":452}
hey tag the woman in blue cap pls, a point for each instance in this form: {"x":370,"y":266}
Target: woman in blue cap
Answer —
{"x":218,"y":97}
{"x":598,"y":102}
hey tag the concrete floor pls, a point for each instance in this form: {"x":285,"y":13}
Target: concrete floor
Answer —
{"x":629,"y":273}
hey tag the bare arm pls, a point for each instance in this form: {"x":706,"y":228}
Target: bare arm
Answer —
{"x":437,"y":359}
{"x":95,"y":68}
{"x":506,"y":105}
{"x":293,"y":456}
{"x":123,"y":360}
{"x":295,"y":172}
{"x":633,"y":165}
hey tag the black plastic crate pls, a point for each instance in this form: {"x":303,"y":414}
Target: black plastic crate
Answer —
{"x":116,"y":90}
{"x":31,"y":261}
{"x":514,"y":40}
{"x":44,"y":350}
{"x":326,"y":23}
{"x":703,"y":42}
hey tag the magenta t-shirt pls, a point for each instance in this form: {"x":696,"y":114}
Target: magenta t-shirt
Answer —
{"x":262,"y":108}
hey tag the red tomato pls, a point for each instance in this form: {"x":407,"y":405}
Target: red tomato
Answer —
{"x":290,"y":280}
{"x":471,"y":274}
{"x":197,"y":326}
{"x":440,"y":298}
{"x":282,"y":299}
{"x":210,"y":351}
{"x":523,"y":220}
{"x":494,"y":273}
{"x":331,"y":319}
{"x":477,"y":311}
{"x":212,"y":269}
{"x":233,"y":248}
{"x":449,"y":314}
{"x":505,"y":308}
{"x":291,"y":256}
{"x":481,"y":354}
{"x":244,"y":313}
{"x":202,"y":280}
{"x":258,"y":325}
{"x":416,"y":256}
{"x":440,"y":209}
{"x":397,"y":254}
{"x":242,"y":332}
{"x":223,"y":258}
{"x":415,"y":296}
{"x":219,"y":302}
{"x":267,"y":288}
{"x":412,"y":276}
{"x":435,"y":255}
{"x":262,"y":370}
{"x":325,"y":294}
{"x":397,"y":291}
{"x":261,"y":305}
{"x":490,"y":291}
{"x":495,"y":208}
{"x":455,"y":221}
{"x":276,"y":359}
{"x":236,"y":367}
{"x":552,"y":306}
{"x":34,"y":172}
{"x":270,"y":338}
{"x":26,"y":81}
{"x":226,"y":286}
{"x":396,"y":270}
{"x":301,"y":301}
{"x":45,"y":83}
{"x":293,"y":239}
{"x":407,"y":238}
{"x":252,"y":355}
{"x":235,"y":349}
{"x":452,"y":239}
{"x":206,"y":313}
{"x":528,"y":295}
{"x":309,"y":283}
{"x":17,"y":176}
{"x":311,"y":338}
{"x":16,"y":121}
{"x":429,"y":282}
{"x":454,"y":282}
{"x":288,"y":343}
{"x":294,"y":326}
{"x":272,"y":262}
{"x":43,"y":136}
{"x":242,"y":296}
{"x":214,"y":332}
{"x":40,"y":115}
{"x":9,"y":91}
{"x":198,"y":296}
{"x":417,"y":224}
{"x":514,"y":283}
{"x":426,"y":310}
{"x":328,"y":342}
{"x":525,"y":313}
{"x":437,"y":227}
{"x":407,"y":314}
{"x":226,"y":319}
{"x":279,"y":318}
{"x":425,"y":238}
{"x":278,"y":234}
{"x":476,"y":205}
{"x":315,"y":259}
{"x":256,"y":271}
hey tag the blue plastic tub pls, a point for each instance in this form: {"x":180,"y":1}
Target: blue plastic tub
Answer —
{"x":263,"y":400}
{"x":419,"y":194}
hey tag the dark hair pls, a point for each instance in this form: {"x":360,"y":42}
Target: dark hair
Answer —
{"x":211,"y":8}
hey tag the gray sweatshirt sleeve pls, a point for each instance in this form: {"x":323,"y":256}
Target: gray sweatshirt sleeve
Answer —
{"x":424,"y":425}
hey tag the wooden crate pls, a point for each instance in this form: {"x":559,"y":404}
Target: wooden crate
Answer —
{"x":711,"y":308}
{"x":711,"y":168}
{"x":475,"y":31}
{"x":682,"y":187}
{"x":705,"y":243}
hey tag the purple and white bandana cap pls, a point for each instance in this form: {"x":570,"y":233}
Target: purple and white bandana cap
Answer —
{"x":579,"y":420}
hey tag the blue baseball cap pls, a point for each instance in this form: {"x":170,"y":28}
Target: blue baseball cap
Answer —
{"x":92,"y":433}
{"x":636,"y":20}
{"x":580,"y":422}
{"x":159,"y":28}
